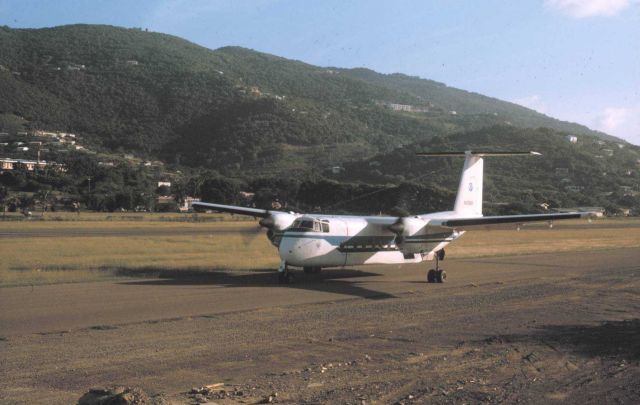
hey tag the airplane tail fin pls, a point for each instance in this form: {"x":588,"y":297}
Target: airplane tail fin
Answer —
{"x":469,"y":198}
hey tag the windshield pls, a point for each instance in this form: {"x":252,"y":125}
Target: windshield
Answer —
{"x":309,"y":225}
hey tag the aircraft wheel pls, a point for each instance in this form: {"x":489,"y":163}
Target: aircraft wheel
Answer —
{"x":441,"y":276}
{"x":285,"y":277}
{"x":431,"y":276}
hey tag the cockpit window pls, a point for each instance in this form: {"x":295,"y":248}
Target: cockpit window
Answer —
{"x":309,"y":225}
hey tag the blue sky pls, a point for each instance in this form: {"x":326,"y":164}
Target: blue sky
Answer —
{"x":577,"y":60}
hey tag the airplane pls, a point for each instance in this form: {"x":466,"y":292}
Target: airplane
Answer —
{"x":317,"y":241}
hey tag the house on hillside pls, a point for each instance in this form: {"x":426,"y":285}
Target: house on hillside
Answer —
{"x":255,"y":91}
{"x":626,"y":190}
{"x":572,"y":138}
{"x":8,"y":164}
{"x":187,"y":204}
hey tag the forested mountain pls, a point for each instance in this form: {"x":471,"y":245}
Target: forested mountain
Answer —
{"x":244,"y":113}
{"x":162,"y":96}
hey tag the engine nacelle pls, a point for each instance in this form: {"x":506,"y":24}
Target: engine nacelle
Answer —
{"x":409,"y":231}
{"x":276,"y":223}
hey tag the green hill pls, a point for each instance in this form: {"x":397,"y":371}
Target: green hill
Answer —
{"x":161,"y":96}
{"x":242,"y":113}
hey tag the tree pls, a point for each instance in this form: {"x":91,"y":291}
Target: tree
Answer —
{"x":4,"y":194}
{"x":219,"y":190}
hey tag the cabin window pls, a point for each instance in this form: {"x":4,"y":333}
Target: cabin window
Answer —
{"x":325,"y":227}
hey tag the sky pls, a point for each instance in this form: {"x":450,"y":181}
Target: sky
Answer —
{"x":576,"y":60}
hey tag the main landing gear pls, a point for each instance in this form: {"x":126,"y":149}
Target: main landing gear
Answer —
{"x":437,"y":275}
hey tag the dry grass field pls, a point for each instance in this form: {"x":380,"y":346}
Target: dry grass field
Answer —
{"x":64,"y":248}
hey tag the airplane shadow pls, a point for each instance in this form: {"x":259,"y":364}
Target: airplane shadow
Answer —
{"x":339,"y":281}
{"x":610,"y":339}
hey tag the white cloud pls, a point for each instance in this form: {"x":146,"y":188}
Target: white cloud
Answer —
{"x":588,"y":8}
{"x":623,"y":122}
{"x":534,"y":102}
{"x":611,"y":119}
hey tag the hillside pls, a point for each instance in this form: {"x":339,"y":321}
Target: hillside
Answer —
{"x":161,"y":96}
{"x":234,"y":113}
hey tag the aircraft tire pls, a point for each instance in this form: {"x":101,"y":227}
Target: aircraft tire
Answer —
{"x":441,"y":276}
{"x":431,"y":276}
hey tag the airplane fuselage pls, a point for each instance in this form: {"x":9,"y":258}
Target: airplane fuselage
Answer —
{"x":334,"y":241}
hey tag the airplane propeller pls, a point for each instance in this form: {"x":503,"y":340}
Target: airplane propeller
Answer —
{"x":273,"y":222}
{"x":399,"y":226}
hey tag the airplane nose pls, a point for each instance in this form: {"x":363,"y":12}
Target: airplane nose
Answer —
{"x":286,"y":249}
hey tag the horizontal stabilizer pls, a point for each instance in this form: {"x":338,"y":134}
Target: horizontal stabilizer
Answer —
{"x":477,"y":153}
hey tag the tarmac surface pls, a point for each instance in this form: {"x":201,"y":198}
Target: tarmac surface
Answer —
{"x":562,"y":327}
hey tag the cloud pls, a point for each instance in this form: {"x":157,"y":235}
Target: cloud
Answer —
{"x":533,"y":102}
{"x":623,"y":122}
{"x":588,"y":8}
{"x":611,"y":119}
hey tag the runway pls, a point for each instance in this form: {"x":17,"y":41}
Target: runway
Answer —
{"x":168,"y":334}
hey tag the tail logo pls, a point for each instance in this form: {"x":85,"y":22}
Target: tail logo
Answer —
{"x":470,"y":186}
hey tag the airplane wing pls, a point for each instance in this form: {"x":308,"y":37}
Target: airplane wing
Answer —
{"x":232,"y":209}
{"x":464,"y":223}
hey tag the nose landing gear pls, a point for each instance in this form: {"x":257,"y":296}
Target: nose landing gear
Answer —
{"x":284,"y":275}
{"x":437,"y":275}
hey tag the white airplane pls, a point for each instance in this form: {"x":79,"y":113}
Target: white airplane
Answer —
{"x":316,"y":241}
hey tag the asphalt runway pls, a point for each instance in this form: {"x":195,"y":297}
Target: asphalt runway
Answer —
{"x":559,"y":327}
